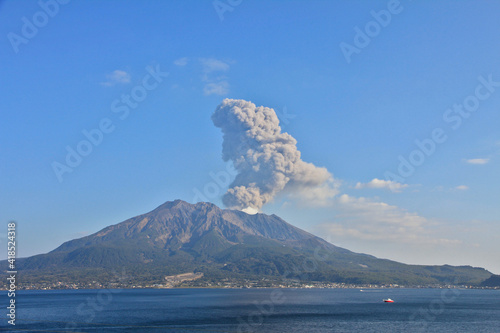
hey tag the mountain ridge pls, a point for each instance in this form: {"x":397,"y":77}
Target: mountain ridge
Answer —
{"x":179,"y":237}
{"x":179,"y":214}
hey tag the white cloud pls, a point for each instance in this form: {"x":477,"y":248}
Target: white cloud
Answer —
{"x":382,"y":184}
{"x":478,"y":160}
{"x":181,"y":61}
{"x":213,"y":65}
{"x":316,"y":196}
{"x":378,"y":212}
{"x":116,"y":77}
{"x":367,"y":220}
{"x":215,"y":83}
{"x":216,"y":88}
{"x":441,"y":188}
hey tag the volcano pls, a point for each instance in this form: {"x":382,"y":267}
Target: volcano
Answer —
{"x":178,"y":237}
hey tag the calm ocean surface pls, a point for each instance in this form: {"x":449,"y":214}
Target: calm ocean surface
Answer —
{"x":256,"y":310}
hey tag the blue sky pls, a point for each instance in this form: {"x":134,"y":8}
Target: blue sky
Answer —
{"x":354,"y":113}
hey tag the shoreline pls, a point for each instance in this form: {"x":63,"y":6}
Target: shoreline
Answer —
{"x":361,"y":288}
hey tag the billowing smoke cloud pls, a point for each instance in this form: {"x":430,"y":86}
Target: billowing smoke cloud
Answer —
{"x":266,"y":159}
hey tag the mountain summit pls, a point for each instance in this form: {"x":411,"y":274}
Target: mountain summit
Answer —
{"x":178,"y":225}
{"x":178,"y":237}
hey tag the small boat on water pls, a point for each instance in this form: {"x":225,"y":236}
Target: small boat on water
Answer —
{"x":388,"y":300}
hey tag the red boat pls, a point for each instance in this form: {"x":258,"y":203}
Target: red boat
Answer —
{"x":388,"y":300}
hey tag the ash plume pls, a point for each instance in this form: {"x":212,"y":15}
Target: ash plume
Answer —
{"x":267,"y":160}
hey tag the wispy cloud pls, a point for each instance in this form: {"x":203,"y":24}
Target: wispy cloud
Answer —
{"x":116,"y":77}
{"x":368,"y":220}
{"x":441,"y":188}
{"x":216,"y":88}
{"x":213,"y":65}
{"x":382,"y":184}
{"x":316,"y":196}
{"x":477,"y":160}
{"x":215,"y":82}
{"x":181,"y":62}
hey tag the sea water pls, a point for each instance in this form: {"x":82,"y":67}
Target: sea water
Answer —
{"x":256,"y":310}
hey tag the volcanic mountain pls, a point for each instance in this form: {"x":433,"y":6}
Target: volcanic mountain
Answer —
{"x":178,"y":237}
